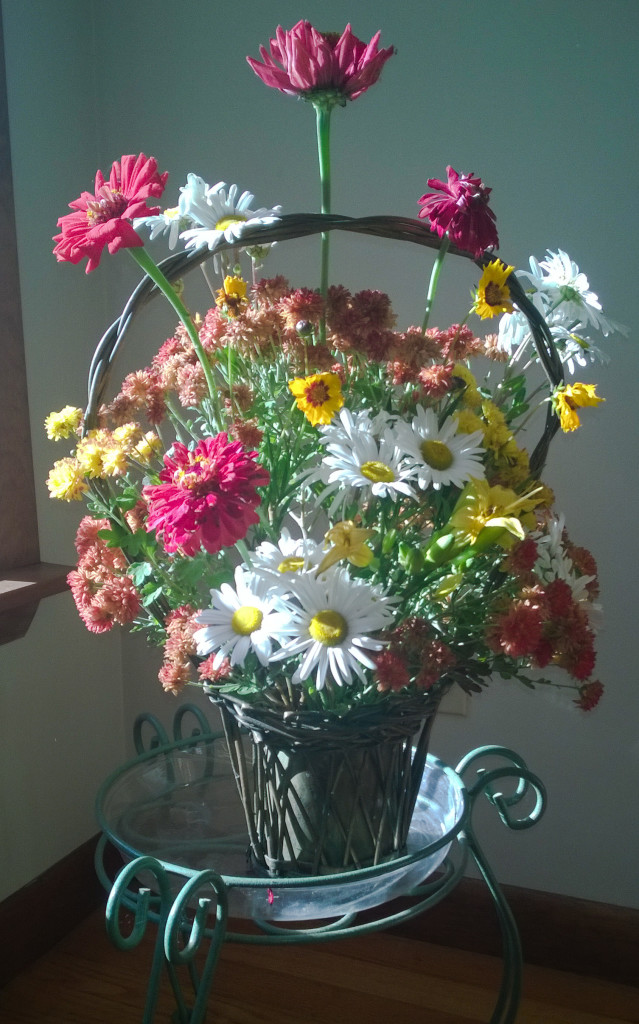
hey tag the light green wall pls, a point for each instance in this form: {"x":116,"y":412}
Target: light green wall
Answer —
{"x":538,"y":98}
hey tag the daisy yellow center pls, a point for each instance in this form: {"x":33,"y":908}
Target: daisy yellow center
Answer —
{"x":227,"y":222}
{"x":378,"y":472}
{"x":290,"y":564}
{"x":328,"y":627}
{"x":436,"y":454}
{"x":246,"y":620}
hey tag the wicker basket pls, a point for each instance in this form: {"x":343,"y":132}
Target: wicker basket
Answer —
{"x":324,"y":793}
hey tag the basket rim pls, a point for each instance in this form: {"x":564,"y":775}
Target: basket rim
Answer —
{"x":293,"y":226}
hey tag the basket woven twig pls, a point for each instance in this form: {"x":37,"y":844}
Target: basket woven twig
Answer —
{"x":293,"y":226}
{"x":323,"y":793}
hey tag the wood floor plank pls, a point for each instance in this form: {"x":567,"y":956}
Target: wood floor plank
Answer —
{"x":378,"y":979}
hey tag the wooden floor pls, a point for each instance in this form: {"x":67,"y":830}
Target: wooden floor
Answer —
{"x":376,"y":979}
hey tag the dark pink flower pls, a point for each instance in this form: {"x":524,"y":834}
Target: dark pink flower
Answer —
{"x":303,"y":61}
{"x":207,"y":497}
{"x":589,"y":695}
{"x":460,"y":209}
{"x":104,"y":218}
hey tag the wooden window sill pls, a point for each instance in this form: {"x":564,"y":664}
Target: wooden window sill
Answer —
{"x":21,"y":591}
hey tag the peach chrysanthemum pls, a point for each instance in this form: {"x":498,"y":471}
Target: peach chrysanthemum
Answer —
{"x":436,"y":380}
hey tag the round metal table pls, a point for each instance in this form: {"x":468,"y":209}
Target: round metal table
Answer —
{"x":174,"y":814}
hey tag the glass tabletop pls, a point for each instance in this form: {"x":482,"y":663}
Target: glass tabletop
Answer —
{"x":180,"y":805}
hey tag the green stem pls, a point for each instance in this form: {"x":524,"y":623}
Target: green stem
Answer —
{"x":151,"y":268}
{"x":323,"y":121}
{"x":434,"y":278}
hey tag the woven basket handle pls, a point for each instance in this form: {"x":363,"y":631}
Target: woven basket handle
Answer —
{"x":290,"y":226}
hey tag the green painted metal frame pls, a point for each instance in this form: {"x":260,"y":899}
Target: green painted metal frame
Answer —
{"x":492,"y":772}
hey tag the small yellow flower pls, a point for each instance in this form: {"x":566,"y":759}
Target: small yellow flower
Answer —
{"x":232,"y":297}
{"x":66,"y":481}
{"x":468,"y":422}
{"x":512,"y":464}
{"x":318,"y":396}
{"x":568,"y":398}
{"x":349,"y":541}
{"x":127,"y":436}
{"x":498,"y":509}
{"x":497,"y":433}
{"x":89,"y":455}
{"x":114,"y":461}
{"x":62,"y":424}
{"x":471,"y":397}
{"x":493,"y":294}
{"x":147,"y":448}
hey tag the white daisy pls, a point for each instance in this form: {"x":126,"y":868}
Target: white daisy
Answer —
{"x":573,"y":345}
{"x":288,"y":555}
{"x":560,"y":279}
{"x":219,"y":214}
{"x":247,"y":618}
{"x":356,"y":460}
{"x":553,"y":562}
{"x":171,"y":221}
{"x":332,"y":616}
{"x":440,"y":455}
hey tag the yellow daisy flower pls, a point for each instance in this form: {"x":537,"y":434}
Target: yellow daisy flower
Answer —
{"x":66,"y":481}
{"x":568,"y":398}
{"x":493,"y":294}
{"x":318,"y":396}
{"x":62,"y":424}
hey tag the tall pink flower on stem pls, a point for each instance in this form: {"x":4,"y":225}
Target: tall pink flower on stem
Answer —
{"x":459,"y":209}
{"x":207,"y":497}
{"x":104,"y":217}
{"x":303,"y":61}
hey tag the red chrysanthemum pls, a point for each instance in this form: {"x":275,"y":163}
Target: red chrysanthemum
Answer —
{"x":303,"y":60}
{"x":104,"y":218}
{"x":589,"y":695}
{"x":459,"y":207}
{"x":391,"y":671}
{"x":207,"y":497}
{"x":518,"y":632}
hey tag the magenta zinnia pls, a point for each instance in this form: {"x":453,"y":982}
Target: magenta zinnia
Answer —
{"x":459,"y":208}
{"x":104,"y":218}
{"x":303,"y":61}
{"x":207,"y":497}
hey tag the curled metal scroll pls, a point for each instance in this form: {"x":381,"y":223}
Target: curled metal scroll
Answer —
{"x":291,"y":226}
{"x":488,"y":782}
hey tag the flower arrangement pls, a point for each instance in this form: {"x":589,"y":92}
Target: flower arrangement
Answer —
{"x":304,"y":505}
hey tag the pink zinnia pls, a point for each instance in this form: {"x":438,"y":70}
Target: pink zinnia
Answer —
{"x":461,"y":210}
{"x":104,"y":218}
{"x":207,"y":497}
{"x":303,"y":60}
